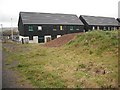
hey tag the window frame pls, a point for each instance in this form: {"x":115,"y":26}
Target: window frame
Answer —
{"x":39,"y":28}
{"x":71,"y":29}
{"x":54,"y":28}
{"x":61,"y":27}
{"x":30,"y":28}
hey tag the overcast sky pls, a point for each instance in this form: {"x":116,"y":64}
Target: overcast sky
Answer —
{"x":11,"y":8}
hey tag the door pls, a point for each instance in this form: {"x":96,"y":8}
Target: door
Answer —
{"x":40,"y":39}
{"x":48,"y":39}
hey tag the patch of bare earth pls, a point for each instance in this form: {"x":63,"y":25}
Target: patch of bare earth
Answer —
{"x":61,"y":40}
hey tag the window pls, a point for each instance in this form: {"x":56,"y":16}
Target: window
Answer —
{"x":54,"y":28}
{"x":71,"y":27}
{"x":93,"y":28}
{"x":61,"y":28}
{"x":104,"y":28}
{"x":39,"y":27}
{"x":30,"y":28}
{"x":77,"y":28}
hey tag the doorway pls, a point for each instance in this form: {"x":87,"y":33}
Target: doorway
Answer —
{"x":47,"y":38}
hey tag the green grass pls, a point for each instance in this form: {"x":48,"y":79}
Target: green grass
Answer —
{"x":91,"y":60}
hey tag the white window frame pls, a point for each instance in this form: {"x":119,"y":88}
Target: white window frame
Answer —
{"x":39,"y":28}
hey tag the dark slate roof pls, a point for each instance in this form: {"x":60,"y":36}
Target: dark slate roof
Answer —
{"x":118,"y":19}
{"x":97,"y":20}
{"x":49,"y":18}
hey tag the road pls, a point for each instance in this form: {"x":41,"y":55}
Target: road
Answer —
{"x":0,"y":64}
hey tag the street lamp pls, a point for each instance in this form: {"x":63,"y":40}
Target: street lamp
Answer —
{"x":1,"y":31}
{"x":11,"y":30}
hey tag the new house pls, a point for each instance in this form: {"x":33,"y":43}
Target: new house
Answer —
{"x":99,"y":23}
{"x":42,"y":27}
{"x":118,"y":19}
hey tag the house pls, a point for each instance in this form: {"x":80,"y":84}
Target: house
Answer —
{"x":99,"y":23}
{"x":118,"y":19}
{"x":42,"y":27}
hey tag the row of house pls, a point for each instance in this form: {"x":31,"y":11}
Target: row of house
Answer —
{"x":42,"y":27}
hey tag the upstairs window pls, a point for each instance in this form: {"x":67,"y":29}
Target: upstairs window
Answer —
{"x":30,"y":28}
{"x":54,"y":28}
{"x":61,"y":28}
{"x":77,"y":28}
{"x":39,"y":28}
{"x":71,"y":27}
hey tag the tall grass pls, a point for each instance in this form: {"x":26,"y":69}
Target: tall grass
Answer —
{"x":88,"y":61}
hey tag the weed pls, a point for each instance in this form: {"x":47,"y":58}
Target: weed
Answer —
{"x":76,"y":64}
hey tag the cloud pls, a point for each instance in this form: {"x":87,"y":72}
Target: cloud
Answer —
{"x":11,"y":8}
{"x":119,"y":9}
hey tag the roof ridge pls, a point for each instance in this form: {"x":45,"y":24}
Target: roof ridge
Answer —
{"x":98,"y":16}
{"x":46,"y":13}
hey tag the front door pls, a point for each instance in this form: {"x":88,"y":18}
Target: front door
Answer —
{"x":40,"y":39}
{"x":48,"y":39}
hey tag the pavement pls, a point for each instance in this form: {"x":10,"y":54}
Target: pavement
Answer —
{"x":0,"y":64}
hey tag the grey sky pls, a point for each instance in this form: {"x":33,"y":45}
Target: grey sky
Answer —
{"x":119,"y":9}
{"x":11,"y":8}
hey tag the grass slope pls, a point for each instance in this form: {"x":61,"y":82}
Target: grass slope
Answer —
{"x":89,"y":61}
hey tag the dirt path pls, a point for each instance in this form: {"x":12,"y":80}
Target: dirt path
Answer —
{"x":61,"y":40}
{"x":12,"y":78}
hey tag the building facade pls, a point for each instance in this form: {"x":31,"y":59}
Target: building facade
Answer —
{"x":42,"y":27}
{"x":118,"y":19}
{"x":99,"y":23}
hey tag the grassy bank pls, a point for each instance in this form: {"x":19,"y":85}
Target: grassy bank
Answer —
{"x":91,"y":60}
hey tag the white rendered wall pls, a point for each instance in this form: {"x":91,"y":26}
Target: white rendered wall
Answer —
{"x":20,"y":38}
{"x":58,"y":36}
{"x":45,"y":38}
{"x":35,"y":39}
